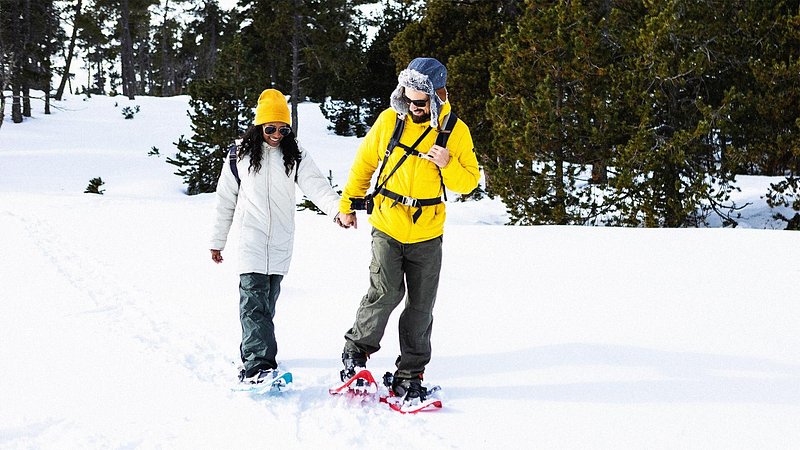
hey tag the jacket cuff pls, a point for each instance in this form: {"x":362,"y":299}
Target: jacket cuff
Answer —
{"x":345,"y":206}
{"x":217,"y":244}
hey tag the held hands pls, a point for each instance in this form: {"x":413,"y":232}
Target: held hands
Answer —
{"x":346,"y":220}
{"x":439,"y":155}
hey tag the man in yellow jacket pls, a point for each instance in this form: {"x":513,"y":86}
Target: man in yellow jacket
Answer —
{"x":407,"y":218}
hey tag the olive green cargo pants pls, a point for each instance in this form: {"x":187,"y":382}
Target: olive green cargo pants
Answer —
{"x":395,"y":268}
{"x":258,"y":294}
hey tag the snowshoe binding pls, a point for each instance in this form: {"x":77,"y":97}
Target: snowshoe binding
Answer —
{"x":356,"y":379}
{"x":262,"y":381}
{"x":409,"y":396}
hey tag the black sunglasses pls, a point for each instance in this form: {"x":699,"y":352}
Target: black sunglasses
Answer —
{"x":270,"y":129}
{"x":417,"y":103}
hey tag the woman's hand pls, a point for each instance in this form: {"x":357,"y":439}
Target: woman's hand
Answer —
{"x":346,"y":220}
{"x":216,"y":256}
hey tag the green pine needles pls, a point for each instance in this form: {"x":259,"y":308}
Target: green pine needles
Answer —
{"x":94,"y":186}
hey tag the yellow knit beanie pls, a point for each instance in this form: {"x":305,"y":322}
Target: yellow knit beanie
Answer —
{"x":272,"y":107}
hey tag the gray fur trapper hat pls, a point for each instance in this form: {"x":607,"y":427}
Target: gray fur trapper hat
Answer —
{"x":424,"y":75}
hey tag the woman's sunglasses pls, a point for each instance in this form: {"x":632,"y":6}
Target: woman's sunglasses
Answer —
{"x":417,"y":103}
{"x":284,"y":131}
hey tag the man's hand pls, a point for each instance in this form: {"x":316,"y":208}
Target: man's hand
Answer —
{"x":439,"y":155}
{"x":216,"y":256}
{"x":346,"y":220}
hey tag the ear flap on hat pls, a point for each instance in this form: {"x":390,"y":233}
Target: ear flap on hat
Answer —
{"x":396,"y":100}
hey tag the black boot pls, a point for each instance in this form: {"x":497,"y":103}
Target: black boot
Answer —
{"x":410,"y":389}
{"x":353,"y":361}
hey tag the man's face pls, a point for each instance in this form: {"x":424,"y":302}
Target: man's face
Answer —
{"x":419,"y":105}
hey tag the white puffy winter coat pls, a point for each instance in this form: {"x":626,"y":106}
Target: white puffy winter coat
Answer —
{"x":266,"y":204}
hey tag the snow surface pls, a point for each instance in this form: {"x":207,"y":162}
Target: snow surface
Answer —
{"x":117,"y":330}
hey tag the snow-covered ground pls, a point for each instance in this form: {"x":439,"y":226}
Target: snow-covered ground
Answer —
{"x":117,"y":330}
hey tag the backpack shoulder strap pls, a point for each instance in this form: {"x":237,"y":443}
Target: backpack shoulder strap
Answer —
{"x":444,"y":134}
{"x":441,"y":140}
{"x":399,"y":124}
{"x":232,"y":159}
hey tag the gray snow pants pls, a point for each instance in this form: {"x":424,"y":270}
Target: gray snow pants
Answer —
{"x":396,"y":267}
{"x":258,"y":294}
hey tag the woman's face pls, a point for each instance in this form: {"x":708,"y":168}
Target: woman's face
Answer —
{"x":274,"y":132}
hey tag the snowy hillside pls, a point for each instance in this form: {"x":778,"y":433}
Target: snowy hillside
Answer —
{"x":117,"y":330}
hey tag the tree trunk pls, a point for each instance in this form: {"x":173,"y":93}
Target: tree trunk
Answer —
{"x":560,"y":210}
{"x":47,"y":85}
{"x":2,"y":96}
{"x":167,"y":77}
{"x":2,"y":74}
{"x":26,"y":98}
{"x":66,"y":75}
{"x":128,"y":73}
{"x":142,"y":58}
{"x":16,"y":103}
{"x":88,"y":88}
{"x":599,"y":173}
{"x":211,"y":58}
{"x":297,"y":26}
{"x":22,"y":74}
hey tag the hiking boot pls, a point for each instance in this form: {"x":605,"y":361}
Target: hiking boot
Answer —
{"x":257,"y":376}
{"x":410,"y":389}
{"x":353,"y":362}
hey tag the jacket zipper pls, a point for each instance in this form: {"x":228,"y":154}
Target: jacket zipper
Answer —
{"x":267,"y":174}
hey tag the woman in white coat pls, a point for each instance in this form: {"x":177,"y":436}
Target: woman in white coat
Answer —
{"x":269,"y":163}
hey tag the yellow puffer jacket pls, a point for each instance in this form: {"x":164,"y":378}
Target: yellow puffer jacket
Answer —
{"x":417,"y":177}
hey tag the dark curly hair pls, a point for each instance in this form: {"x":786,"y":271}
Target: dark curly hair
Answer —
{"x":251,"y":145}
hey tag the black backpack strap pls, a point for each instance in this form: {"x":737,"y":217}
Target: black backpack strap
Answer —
{"x":399,"y":124}
{"x":409,"y":151}
{"x":411,"y":202}
{"x":232,"y":159}
{"x":441,"y":140}
{"x":444,"y":134}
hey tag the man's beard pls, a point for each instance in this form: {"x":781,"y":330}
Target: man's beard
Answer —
{"x":420,"y":119}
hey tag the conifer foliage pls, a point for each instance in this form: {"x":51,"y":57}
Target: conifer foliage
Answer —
{"x":620,"y":112}
{"x":548,"y":112}
{"x":670,"y":99}
{"x":465,"y":36}
{"x":221,"y":114}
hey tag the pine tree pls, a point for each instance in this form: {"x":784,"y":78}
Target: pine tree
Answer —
{"x":95,"y":41}
{"x":468,"y":46}
{"x":339,"y":69}
{"x":221,"y":114}
{"x":29,"y":32}
{"x":762,"y":123}
{"x":11,"y":36}
{"x":549,"y":112}
{"x":65,"y":75}
{"x":204,"y":35}
{"x":4,"y":27}
{"x":380,"y":66}
{"x":669,"y":173}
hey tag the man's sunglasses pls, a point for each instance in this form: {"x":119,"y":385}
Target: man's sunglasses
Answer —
{"x":270,"y":129}
{"x":417,"y":103}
